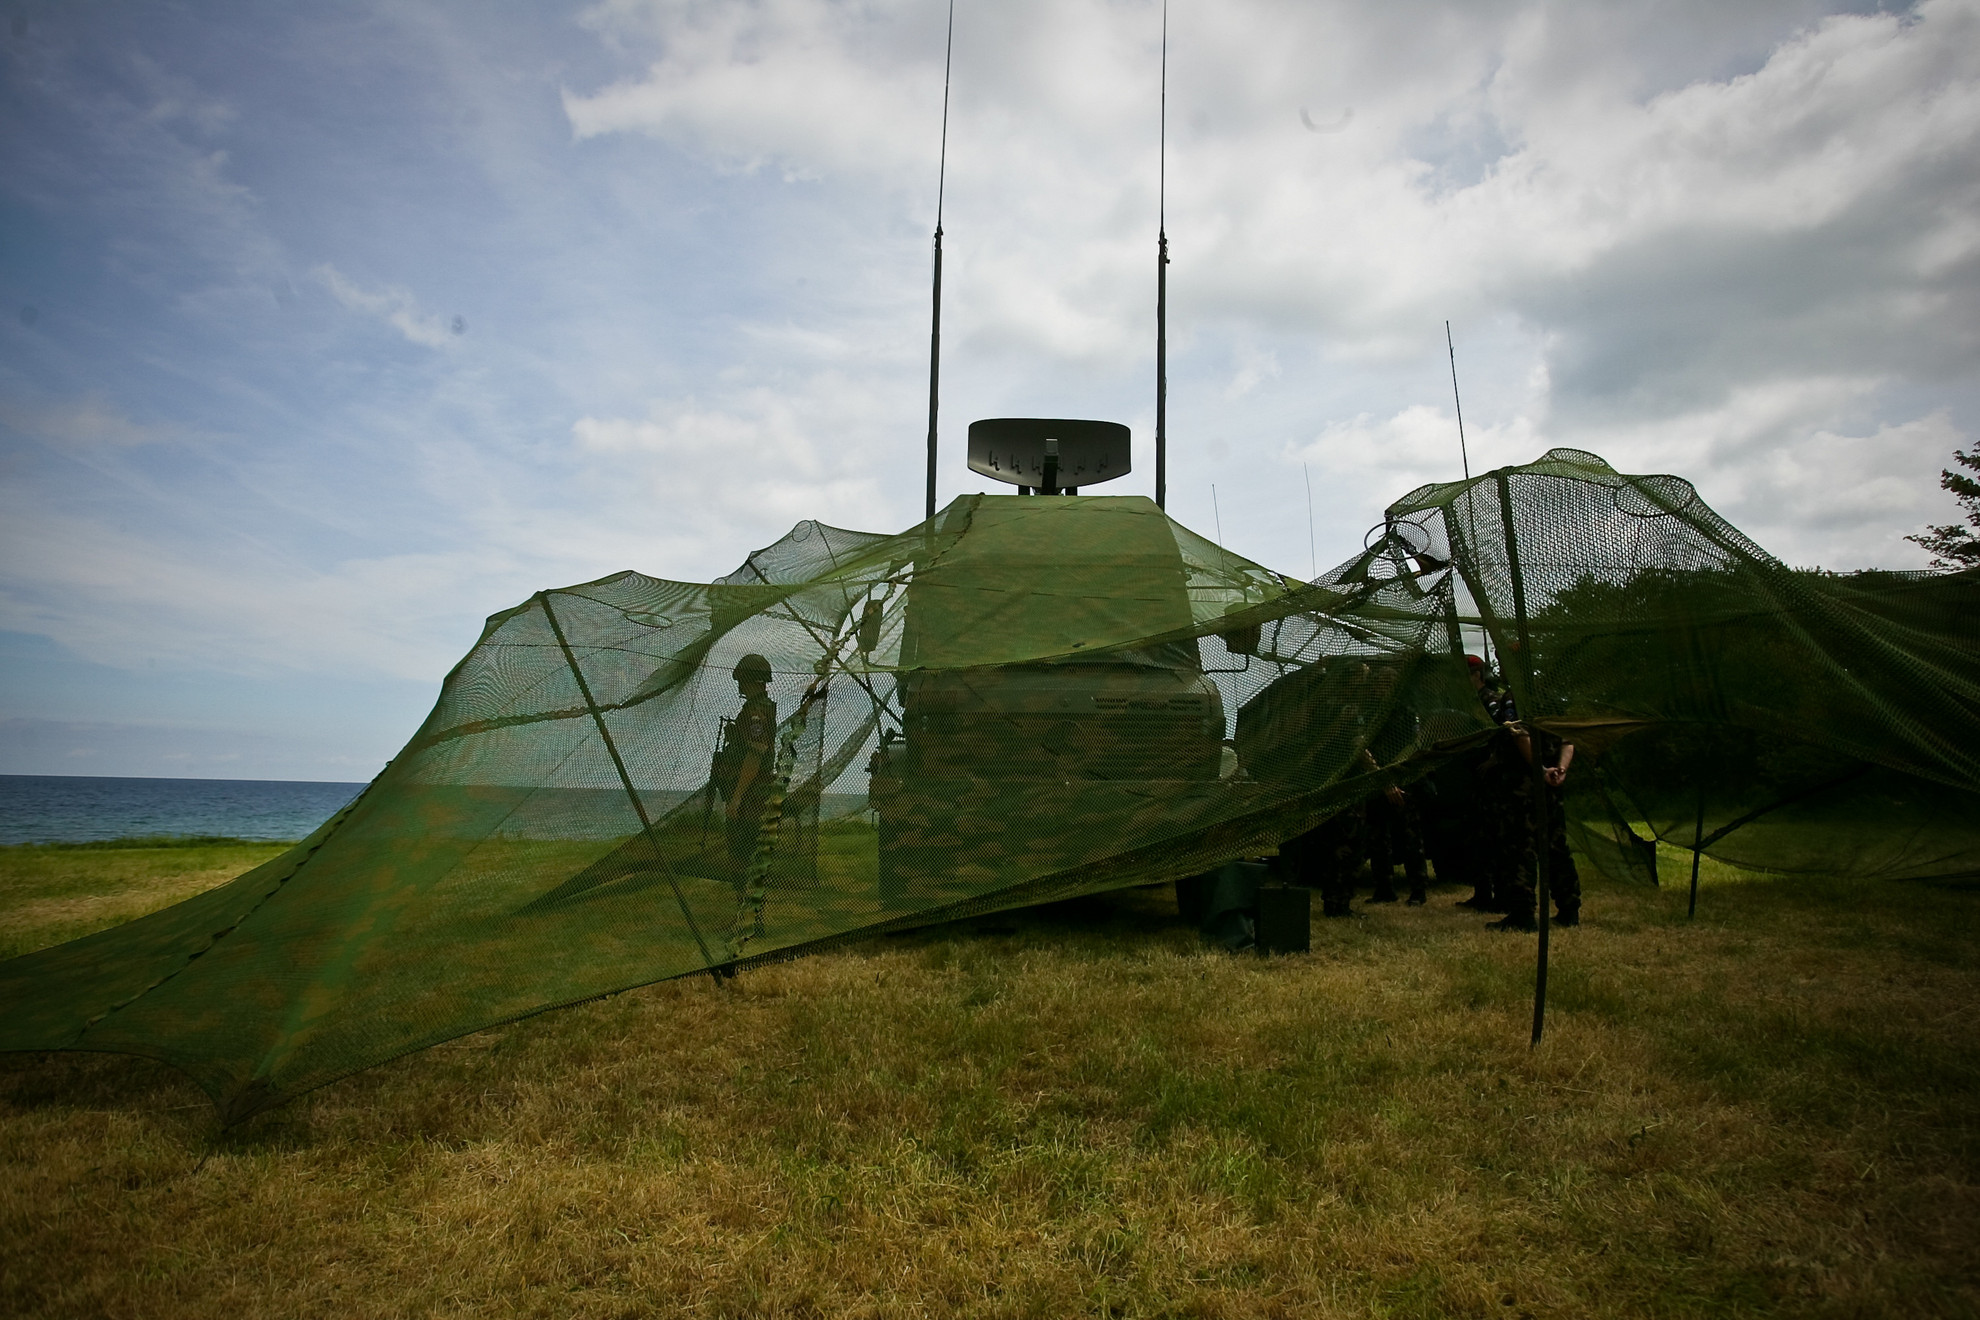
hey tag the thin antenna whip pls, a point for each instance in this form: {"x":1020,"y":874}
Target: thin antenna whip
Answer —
{"x":1162,"y":284}
{"x":1463,"y":453}
{"x":935,"y":330}
{"x":1312,"y":552}
{"x":1450,"y":346}
{"x":1217,"y":513}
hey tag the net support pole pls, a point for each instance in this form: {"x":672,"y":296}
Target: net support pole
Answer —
{"x":1697,"y":848}
{"x":618,"y":763}
{"x":1543,"y":885}
{"x":1542,"y":871}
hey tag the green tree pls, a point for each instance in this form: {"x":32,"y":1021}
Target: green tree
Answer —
{"x":1952,"y":545}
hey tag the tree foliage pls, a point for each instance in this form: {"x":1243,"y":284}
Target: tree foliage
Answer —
{"x":1952,"y":545}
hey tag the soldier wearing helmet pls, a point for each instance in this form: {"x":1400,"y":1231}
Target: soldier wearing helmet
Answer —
{"x":748,"y":753}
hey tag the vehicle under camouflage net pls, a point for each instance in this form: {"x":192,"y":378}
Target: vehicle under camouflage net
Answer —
{"x":1027,"y":698}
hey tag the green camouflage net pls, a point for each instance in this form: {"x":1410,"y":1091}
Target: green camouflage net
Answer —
{"x":1024,"y":699}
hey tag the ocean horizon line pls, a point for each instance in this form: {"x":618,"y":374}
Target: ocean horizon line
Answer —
{"x":186,"y":779}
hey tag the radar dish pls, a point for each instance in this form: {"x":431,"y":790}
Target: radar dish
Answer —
{"x":1013,"y":449}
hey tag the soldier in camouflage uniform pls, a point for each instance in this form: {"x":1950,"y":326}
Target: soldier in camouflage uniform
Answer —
{"x":1445,"y":802}
{"x":1394,"y":825}
{"x":1498,"y":800}
{"x":749,"y":761}
{"x":1563,"y":880}
{"x":1326,"y":858}
{"x":1395,"y":833}
{"x":1506,"y":812}
{"x":1508,"y":874}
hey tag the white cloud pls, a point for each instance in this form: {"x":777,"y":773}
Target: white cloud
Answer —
{"x":80,"y":424}
{"x":1254,"y":367}
{"x":394,"y":306}
{"x":1841,"y":500}
{"x":750,"y":462}
{"x":812,"y":87}
{"x":1737,"y":242}
{"x":126,"y":599}
{"x":1351,"y":235}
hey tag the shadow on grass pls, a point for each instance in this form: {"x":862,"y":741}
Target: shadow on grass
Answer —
{"x":32,"y":1081}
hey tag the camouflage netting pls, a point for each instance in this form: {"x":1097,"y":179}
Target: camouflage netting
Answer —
{"x":1028,"y":698}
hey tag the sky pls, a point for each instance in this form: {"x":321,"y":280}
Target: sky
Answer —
{"x":327,"y":331}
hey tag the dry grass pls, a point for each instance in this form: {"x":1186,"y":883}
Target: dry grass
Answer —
{"x":1076,"y":1110}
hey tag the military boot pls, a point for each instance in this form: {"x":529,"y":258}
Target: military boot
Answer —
{"x":1519,"y":908}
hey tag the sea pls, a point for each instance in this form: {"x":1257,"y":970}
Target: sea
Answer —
{"x":84,"y":809}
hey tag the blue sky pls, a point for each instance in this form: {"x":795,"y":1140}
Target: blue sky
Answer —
{"x":330,"y":330}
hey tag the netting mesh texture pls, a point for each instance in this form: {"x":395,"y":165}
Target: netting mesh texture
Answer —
{"x":1029,"y":698}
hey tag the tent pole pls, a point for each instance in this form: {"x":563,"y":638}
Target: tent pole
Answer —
{"x":1697,"y":846}
{"x":1542,"y":877}
{"x":639,"y":807}
{"x":1543,"y":888}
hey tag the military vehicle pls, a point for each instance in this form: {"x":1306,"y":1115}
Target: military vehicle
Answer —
{"x":990,"y":762}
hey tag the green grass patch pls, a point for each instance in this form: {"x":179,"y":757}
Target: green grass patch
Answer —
{"x":1073,"y":1110}
{"x":145,"y":842}
{"x":55,"y":892}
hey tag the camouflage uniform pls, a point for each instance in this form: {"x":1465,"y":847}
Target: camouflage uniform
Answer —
{"x":1395,"y":833}
{"x":1445,"y":807}
{"x":1563,"y":880}
{"x":1501,"y":780}
{"x":1395,"y":826}
{"x":1326,"y":858}
{"x":752,"y":741}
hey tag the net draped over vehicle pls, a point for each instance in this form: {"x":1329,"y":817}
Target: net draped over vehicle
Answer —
{"x":1028,"y":698}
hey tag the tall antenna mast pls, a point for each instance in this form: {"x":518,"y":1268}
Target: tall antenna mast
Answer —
{"x":1162,"y":285}
{"x":1451,"y":347}
{"x":935,"y":330}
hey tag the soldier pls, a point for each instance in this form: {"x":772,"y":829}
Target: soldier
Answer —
{"x":1445,"y":800}
{"x":1499,"y":780}
{"x":1395,"y":834}
{"x":1506,"y":778}
{"x":749,"y":762}
{"x":1394,"y":823}
{"x":1326,"y":858}
{"x":1563,"y":880}
{"x":1498,"y":701}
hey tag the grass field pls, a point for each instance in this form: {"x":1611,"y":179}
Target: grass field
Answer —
{"x":1070,"y":1111}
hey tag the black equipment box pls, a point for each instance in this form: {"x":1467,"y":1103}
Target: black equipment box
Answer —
{"x":1285,"y":919}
